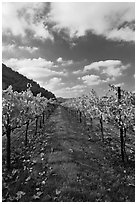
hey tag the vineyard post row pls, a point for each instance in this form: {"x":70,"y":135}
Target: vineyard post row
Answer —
{"x":118,"y":108}
{"x":19,"y":109}
{"x":122,"y":130}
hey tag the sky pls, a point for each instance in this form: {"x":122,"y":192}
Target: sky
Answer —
{"x":70,"y":48}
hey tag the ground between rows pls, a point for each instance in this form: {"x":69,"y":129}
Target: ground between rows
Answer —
{"x":66,"y":162}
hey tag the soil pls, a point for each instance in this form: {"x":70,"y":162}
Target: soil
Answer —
{"x":66,"y":162}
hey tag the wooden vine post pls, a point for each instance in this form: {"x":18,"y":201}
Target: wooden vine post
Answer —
{"x":40,"y":122}
{"x":26,"y":133}
{"x":101,"y":123}
{"x":36,"y":125}
{"x":43,"y":115}
{"x":8,"y":133}
{"x":91,"y":121}
{"x":80,"y":117}
{"x":121,"y":128}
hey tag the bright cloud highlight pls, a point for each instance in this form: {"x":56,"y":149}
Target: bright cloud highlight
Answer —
{"x":17,"y":18}
{"x":36,"y":69}
{"x":105,"y":19}
{"x":112,"y":68}
{"x":91,"y":80}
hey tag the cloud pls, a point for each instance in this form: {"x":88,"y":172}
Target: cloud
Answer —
{"x":53,"y":84}
{"x":113,"y":20}
{"x":28,"y":49}
{"x":109,"y":79}
{"x":60,"y":89}
{"x":37,"y":69}
{"x":97,"y":65}
{"x":14,"y":48}
{"x":91,"y":80}
{"x":77,"y":72}
{"x":107,"y":19}
{"x":69,"y":92}
{"x":111,"y":68}
{"x":115,"y":71}
{"x":64,"y":62}
{"x":60,"y":60}
{"x":112,"y":71}
{"x":36,"y":63}
{"x":76,"y":88}
{"x":19,"y":17}
{"x":119,"y":84}
{"x":125,"y":34}
{"x":8,"y":48}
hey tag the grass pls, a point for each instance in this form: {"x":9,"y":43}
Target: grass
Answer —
{"x":66,"y":162}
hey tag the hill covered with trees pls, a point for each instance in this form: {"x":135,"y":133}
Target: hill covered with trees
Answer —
{"x":19,"y":82}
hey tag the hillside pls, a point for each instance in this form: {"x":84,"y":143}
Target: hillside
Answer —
{"x":19,"y":82}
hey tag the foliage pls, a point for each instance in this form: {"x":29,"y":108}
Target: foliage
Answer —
{"x":19,"y":82}
{"x":117,"y":108}
{"x":108,"y":107}
{"x":19,"y":109}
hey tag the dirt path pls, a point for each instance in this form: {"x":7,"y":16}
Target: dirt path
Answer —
{"x":68,"y":166}
{"x":79,"y":170}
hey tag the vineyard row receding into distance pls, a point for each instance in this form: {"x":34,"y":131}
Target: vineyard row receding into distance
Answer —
{"x":21,"y":109}
{"x":117,"y":108}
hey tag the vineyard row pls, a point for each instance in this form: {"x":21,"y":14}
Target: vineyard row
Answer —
{"x":117,"y":108}
{"x":21,"y":109}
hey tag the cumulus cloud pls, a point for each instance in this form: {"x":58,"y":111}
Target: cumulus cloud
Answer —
{"x":125,"y":33}
{"x":120,"y":84}
{"x":91,"y":80}
{"x":53,"y":83}
{"x":8,"y":48}
{"x":76,"y":88}
{"x":69,"y":92}
{"x":18,"y":17}
{"x":14,"y":48}
{"x":36,"y":69}
{"x":77,"y":72}
{"x":64,"y":62}
{"x":115,"y":71}
{"x":113,"y":20}
{"x":111,"y":68}
{"x":112,"y":71}
{"x":60,"y":60}
{"x":106,"y":63}
{"x":28,"y":48}
{"x":36,"y":63}
{"x":107,"y":19}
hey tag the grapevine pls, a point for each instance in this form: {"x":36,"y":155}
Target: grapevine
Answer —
{"x":117,"y":107}
{"x":19,"y":109}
